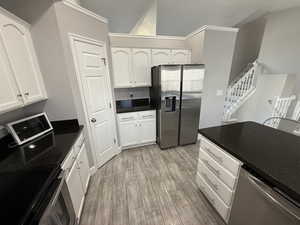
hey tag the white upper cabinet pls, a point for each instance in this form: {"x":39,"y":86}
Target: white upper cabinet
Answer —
{"x":161,"y":56}
{"x":19,"y":61}
{"x":180,"y":56}
{"x":132,"y":67}
{"x":10,"y":96}
{"x":141,"y":67}
{"x":122,"y":68}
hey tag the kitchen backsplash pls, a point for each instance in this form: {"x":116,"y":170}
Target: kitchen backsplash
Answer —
{"x":131,"y":93}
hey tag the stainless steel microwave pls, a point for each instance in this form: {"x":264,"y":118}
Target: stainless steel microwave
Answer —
{"x":29,"y":128}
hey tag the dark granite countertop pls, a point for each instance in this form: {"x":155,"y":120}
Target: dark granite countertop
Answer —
{"x":134,"y":105}
{"x":25,"y":173}
{"x":271,"y":155}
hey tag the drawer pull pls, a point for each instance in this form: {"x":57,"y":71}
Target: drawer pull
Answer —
{"x":127,"y":118}
{"x":148,"y":116}
{"x":215,"y":186}
{"x":215,"y":171}
{"x":218,"y":158}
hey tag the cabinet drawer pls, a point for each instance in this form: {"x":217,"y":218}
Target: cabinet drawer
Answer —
{"x":124,"y":117}
{"x":220,"y":156}
{"x":147,"y":115}
{"x":218,"y":170}
{"x":215,"y":183}
{"x":212,"y":197}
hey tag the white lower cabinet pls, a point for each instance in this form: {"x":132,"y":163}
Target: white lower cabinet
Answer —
{"x":129,"y":133}
{"x":217,"y":176}
{"x":147,"y":130}
{"x":76,"y":167}
{"x":75,"y":188}
{"x":84,"y":170}
{"x":137,"y":128}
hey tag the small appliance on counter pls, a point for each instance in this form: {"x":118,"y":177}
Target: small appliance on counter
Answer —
{"x":176,"y":93}
{"x":29,"y":128}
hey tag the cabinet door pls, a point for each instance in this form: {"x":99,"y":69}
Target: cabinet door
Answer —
{"x":10,"y":97}
{"x":19,"y":48}
{"x":75,"y":188}
{"x":129,"y":133}
{"x":122,"y":67}
{"x":141,"y":67}
{"x":161,"y":57}
{"x":180,"y":57}
{"x":84,"y":168}
{"x":147,"y":131}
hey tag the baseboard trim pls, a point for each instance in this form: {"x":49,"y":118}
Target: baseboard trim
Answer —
{"x":138,"y":145}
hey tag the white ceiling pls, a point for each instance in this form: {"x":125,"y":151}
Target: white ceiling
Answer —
{"x":180,"y":17}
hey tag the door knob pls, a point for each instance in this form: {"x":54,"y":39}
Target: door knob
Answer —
{"x":93,"y":120}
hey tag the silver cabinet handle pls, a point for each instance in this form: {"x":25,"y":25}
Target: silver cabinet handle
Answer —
{"x":215,"y":186}
{"x":218,"y":158}
{"x":26,"y":94}
{"x":215,"y":171}
{"x":93,"y":120}
{"x":19,"y":96}
{"x":262,"y":188}
{"x":148,"y":116}
{"x":128,"y":118}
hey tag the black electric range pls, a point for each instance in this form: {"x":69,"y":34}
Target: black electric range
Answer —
{"x":27,"y":171}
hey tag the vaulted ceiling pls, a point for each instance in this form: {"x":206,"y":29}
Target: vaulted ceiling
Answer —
{"x":180,"y":17}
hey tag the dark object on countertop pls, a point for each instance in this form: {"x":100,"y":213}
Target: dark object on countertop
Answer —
{"x":134,"y":105}
{"x":26,"y":171}
{"x":271,"y":155}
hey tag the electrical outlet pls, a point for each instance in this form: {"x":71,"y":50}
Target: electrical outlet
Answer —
{"x":219,"y":93}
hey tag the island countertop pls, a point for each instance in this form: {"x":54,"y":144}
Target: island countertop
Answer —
{"x":270,"y":154}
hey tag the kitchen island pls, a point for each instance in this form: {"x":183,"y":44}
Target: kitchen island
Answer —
{"x":270,"y":155}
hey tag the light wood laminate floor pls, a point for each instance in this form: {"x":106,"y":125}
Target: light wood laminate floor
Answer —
{"x":147,"y":186}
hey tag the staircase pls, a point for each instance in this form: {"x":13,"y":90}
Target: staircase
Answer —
{"x":296,"y":114}
{"x":280,"y":110}
{"x":240,"y":91}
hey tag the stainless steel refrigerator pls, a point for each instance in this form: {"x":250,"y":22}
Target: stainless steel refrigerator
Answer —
{"x":176,"y":93}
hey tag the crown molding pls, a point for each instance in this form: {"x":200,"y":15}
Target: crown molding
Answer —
{"x":182,"y":38}
{"x":161,"y":37}
{"x":85,"y":11}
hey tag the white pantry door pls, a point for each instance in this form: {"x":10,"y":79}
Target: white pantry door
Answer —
{"x":91,"y":60}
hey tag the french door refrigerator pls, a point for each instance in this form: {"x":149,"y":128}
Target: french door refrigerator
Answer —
{"x":176,"y":93}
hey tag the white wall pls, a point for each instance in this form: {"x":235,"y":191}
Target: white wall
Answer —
{"x":218,"y":54}
{"x":257,"y":108}
{"x":279,"y":54}
{"x":140,"y":42}
{"x":247,"y":45}
{"x":196,"y":43}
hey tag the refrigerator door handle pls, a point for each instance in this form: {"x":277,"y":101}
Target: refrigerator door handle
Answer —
{"x":173,"y":103}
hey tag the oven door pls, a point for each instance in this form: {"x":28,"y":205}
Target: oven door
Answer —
{"x":60,"y":209}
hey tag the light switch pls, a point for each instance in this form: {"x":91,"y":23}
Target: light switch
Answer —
{"x":219,"y":93}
